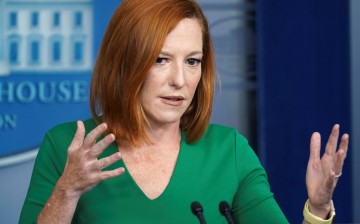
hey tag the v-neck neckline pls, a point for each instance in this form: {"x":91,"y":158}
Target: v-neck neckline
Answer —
{"x":172,"y":177}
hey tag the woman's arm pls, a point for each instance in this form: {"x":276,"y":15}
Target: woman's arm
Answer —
{"x":254,"y":202}
{"x":59,"y":208}
{"x":83,"y":171}
{"x":323,"y":173}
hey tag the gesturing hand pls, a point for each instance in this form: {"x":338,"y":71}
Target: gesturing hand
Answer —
{"x":323,"y":173}
{"x":83,"y":169}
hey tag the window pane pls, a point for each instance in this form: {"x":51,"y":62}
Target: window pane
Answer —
{"x":35,"y":48}
{"x":56,"y":51}
{"x":78,"y":19}
{"x":13,"y":19}
{"x":13,"y":52}
{"x":34,"y":19}
{"x":56,"y":19}
{"x":78,"y":51}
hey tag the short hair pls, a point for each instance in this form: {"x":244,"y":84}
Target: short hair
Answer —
{"x":132,"y":42}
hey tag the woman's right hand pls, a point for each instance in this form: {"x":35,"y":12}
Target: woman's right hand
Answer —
{"x":83,"y":169}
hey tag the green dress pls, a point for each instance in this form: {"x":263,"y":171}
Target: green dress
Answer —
{"x":220,"y":166}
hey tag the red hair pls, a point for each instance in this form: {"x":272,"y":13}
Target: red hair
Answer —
{"x":131,"y":45}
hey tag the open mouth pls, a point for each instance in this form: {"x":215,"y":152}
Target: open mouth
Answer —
{"x":173,"y":98}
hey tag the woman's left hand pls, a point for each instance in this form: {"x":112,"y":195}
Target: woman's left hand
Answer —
{"x":323,"y":173}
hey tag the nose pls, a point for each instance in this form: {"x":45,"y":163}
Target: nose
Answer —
{"x":177,"y":76}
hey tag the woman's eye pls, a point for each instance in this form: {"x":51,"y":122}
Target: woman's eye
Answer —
{"x":193,"y":61}
{"x":161,"y":61}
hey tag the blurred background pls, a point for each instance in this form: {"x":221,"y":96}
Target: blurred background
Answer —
{"x":287,"y":68}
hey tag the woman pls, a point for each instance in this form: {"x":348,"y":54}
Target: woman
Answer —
{"x":149,"y":150}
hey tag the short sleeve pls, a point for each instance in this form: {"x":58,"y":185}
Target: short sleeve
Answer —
{"x":253,"y":202}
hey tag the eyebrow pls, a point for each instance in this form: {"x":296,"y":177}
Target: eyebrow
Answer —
{"x":191,"y":53}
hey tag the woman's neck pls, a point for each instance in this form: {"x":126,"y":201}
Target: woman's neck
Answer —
{"x":164,"y":134}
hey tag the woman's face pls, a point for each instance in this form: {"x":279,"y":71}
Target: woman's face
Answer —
{"x":170,"y":84}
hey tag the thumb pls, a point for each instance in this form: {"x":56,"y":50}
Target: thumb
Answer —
{"x":79,"y":136}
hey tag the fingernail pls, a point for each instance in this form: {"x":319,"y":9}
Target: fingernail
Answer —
{"x":111,"y":137}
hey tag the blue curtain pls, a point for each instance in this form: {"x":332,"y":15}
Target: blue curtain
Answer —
{"x":303,"y":86}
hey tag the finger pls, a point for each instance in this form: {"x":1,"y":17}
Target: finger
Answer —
{"x":331,"y":182}
{"x":340,"y":157}
{"x":315,"y":146}
{"x":341,"y":154}
{"x":331,"y":145}
{"x":344,"y":143}
{"x":99,"y":147}
{"x":111,"y":173}
{"x":78,"y":139}
{"x":107,"y":161}
{"x":90,"y":139}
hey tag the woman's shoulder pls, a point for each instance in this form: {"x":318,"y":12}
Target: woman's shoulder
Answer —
{"x":220,"y":135}
{"x":222,"y":131}
{"x":213,"y":127}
